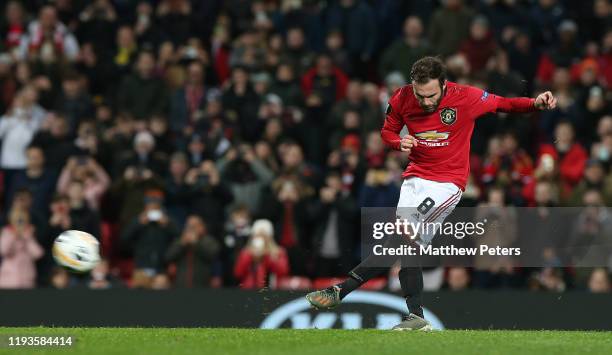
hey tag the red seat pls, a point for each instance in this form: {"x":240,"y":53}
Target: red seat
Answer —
{"x":325,"y":282}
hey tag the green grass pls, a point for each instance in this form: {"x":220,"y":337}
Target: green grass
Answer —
{"x":329,"y":342}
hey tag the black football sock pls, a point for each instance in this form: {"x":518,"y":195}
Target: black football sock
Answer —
{"x":411,"y":281}
{"x":357,"y":277}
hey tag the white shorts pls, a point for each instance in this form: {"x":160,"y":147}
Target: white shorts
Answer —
{"x":427,"y":203}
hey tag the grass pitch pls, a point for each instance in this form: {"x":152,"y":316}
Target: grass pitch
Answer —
{"x":328,"y":342}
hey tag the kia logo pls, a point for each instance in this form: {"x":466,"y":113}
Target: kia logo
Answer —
{"x":297,"y":313}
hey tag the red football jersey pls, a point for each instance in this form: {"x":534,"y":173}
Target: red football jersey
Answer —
{"x":443,"y":149}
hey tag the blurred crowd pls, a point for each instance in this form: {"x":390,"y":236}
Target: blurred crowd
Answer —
{"x":211,"y":143}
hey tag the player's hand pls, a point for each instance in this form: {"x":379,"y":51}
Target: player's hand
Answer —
{"x":545,"y":101}
{"x":407,"y":143}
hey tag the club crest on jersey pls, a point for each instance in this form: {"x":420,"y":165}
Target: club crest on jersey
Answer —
{"x":448,"y":116}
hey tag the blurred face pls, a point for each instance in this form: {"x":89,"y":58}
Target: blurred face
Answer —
{"x":71,"y":87}
{"x":592,"y":198}
{"x":239,"y":76}
{"x":375,"y":143}
{"x":125,"y":37}
{"x":599,"y":281}
{"x":295,"y":38}
{"x":509,"y":144}
{"x":146,"y":64}
{"x":76,"y":191}
{"x":178,"y":166}
{"x":195,"y":73}
{"x":478,"y":31}
{"x":195,"y":225}
{"x":458,"y":278}
{"x":59,"y":127}
{"x":429,"y":94}
{"x":413,"y":27}
{"x":496,"y":197}
{"x":14,"y":13}
{"x":564,"y":134}
{"x":324,"y":66}
{"x":604,"y":127}
{"x":354,"y":91}
{"x":284,"y":73}
{"x":351,"y":120}
{"x":36,"y":158}
{"x":543,"y":193}
{"x":334,"y":181}
{"x":293,"y":156}
{"x":29,"y":95}
{"x":594,"y":173}
{"x":48,"y":17}
{"x":334,"y":41}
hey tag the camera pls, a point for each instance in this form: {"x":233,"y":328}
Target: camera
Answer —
{"x":154,"y":215}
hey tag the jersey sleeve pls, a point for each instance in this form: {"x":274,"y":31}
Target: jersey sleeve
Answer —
{"x":482,"y":102}
{"x":393,"y":121}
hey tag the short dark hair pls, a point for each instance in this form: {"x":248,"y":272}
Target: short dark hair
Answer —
{"x":428,"y":68}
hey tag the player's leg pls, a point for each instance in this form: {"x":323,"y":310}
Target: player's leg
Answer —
{"x":440,"y":200}
{"x":368,"y":269}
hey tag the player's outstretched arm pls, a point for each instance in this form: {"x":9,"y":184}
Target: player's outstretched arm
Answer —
{"x":544,"y":101}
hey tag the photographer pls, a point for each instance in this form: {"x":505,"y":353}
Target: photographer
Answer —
{"x":194,"y":254}
{"x":209,"y":196}
{"x":148,"y":237}
{"x":335,"y":214}
{"x":246,"y":175}
{"x":262,"y":260}
{"x":19,"y":251}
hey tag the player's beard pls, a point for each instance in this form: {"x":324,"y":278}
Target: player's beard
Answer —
{"x":432,"y":108}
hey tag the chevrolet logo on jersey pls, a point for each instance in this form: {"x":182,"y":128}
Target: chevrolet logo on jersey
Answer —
{"x":432,"y":136}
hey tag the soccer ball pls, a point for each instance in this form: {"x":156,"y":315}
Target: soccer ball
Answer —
{"x":77,"y":251}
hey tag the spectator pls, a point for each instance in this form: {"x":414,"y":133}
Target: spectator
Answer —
{"x":480,"y":46}
{"x":296,"y":53}
{"x":56,"y":142}
{"x":566,"y":155}
{"x":144,"y":155}
{"x":93,"y":177}
{"x":19,"y":250}
{"x":17,"y":128}
{"x":74,"y":103}
{"x":246,"y":176}
{"x":454,"y":14}
{"x":262,"y":261}
{"x":14,"y":26}
{"x":287,"y":207}
{"x":356,"y":20}
{"x":141,"y":94}
{"x":187,"y":104}
{"x":126,"y":50}
{"x":48,"y":40}
{"x":194,"y":253}
{"x":35,"y":178}
{"x":148,"y":237}
{"x":400,"y":56}
{"x":209,"y":196}
{"x":334,"y":242}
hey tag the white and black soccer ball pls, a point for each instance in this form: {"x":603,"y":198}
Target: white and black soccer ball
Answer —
{"x":77,"y":251}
